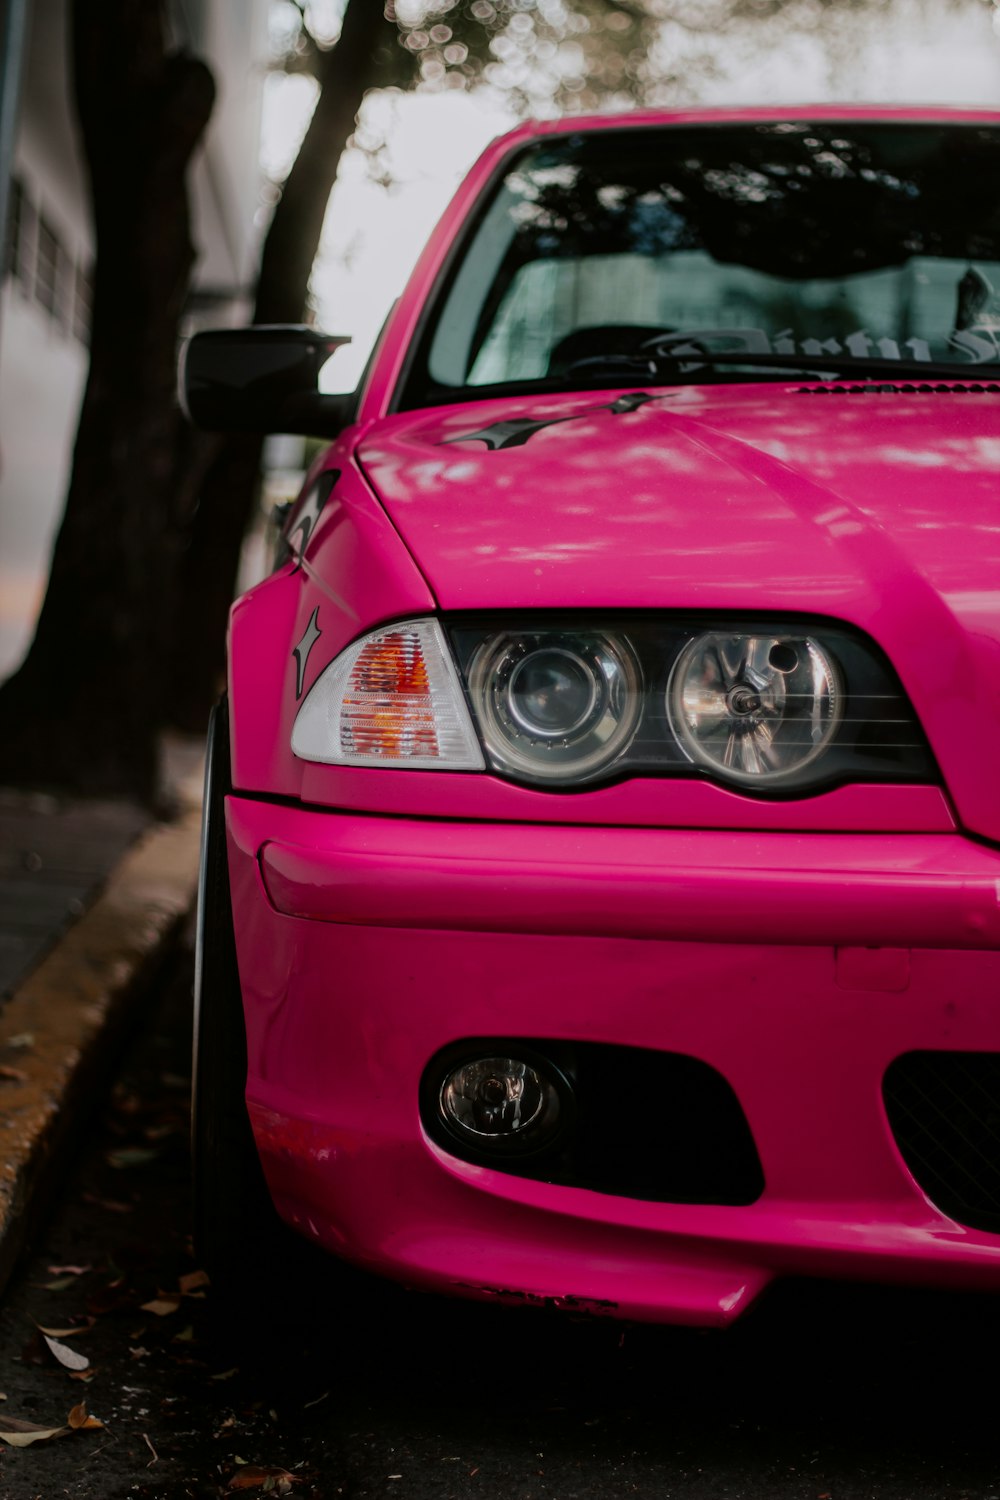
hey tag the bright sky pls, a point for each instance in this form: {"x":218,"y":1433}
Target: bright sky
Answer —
{"x":373,"y":234}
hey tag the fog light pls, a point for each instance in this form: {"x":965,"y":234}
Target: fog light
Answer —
{"x":501,"y":1104}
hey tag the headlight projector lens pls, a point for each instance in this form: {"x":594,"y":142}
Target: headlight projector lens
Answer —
{"x":553,"y":693}
{"x":755,"y":708}
{"x":556,"y":706}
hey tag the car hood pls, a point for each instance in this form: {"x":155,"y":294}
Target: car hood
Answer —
{"x":743,"y":496}
{"x":875,"y":505}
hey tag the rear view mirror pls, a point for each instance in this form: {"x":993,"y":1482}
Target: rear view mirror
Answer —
{"x":261,"y":379}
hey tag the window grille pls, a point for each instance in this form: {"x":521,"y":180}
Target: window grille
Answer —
{"x":83,"y":299}
{"x":48,"y":268}
{"x":20,"y":217}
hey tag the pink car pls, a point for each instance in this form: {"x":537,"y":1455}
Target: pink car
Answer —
{"x":601,"y":894}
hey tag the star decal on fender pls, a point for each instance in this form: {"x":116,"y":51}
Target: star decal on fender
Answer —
{"x":302,"y":650}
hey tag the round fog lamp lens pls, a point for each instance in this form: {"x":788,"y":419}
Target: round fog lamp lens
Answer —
{"x":499,"y":1101}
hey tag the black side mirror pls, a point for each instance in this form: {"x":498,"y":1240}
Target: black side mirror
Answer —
{"x":261,"y":379}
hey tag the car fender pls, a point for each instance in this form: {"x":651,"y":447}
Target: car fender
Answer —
{"x":347,"y":571}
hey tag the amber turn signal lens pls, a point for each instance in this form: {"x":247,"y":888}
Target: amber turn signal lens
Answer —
{"x":392,"y":698}
{"x":387,"y":708}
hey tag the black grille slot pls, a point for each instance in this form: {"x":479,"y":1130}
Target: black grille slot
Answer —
{"x":944,"y":1111}
{"x":893,"y":388}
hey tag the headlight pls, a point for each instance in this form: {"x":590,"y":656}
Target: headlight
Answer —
{"x":393,"y":698}
{"x":778,"y":707}
{"x":555,"y":705}
{"x":775,"y":706}
{"x":756,"y":708}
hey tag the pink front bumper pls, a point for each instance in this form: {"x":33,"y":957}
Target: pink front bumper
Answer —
{"x":797,"y":965}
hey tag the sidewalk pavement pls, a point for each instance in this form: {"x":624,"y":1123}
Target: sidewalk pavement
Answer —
{"x":93,"y":896}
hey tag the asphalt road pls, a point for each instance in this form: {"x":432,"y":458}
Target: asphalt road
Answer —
{"x":821,"y":1394}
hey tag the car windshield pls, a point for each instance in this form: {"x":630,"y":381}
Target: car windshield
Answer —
{"x":721,"y":252}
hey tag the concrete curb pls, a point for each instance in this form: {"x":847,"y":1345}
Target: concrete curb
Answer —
{"x":57,"y":1031}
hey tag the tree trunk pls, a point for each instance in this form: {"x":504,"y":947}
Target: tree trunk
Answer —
{"x":227,"y":496}
{"x":83,"y":711}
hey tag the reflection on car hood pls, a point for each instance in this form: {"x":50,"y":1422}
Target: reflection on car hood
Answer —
{"x":762,"y":497}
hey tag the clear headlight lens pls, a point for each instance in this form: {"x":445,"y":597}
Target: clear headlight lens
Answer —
{"x":393,"y":698}
{"x":555,"y":705}
{"x":757,"y":708}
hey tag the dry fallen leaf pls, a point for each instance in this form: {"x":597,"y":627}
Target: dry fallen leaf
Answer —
{"x":192,"y":1281}
{"x":22,"y":1434}
{"x":67,"y":1333}
{"x":132,"y":1156}
{"x":162,"y":1306}
{"x":110,"y":1299}
{"x":80,"y":1418}
{"x":256,"y":1477}
{"x":67,"y":1357}
{"x":68,"y":1270}
{"x":113,"y":1204}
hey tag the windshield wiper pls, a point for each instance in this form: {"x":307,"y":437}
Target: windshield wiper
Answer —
{"x":633,"y":366}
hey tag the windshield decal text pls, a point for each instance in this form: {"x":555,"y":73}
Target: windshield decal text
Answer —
{"x":979,"y":344}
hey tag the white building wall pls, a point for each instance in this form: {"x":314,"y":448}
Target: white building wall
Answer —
{"x":43,"y":361}
{"x":232,"y":37}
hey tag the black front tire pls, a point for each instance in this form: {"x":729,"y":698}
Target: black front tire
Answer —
{"x":263,"y":1274}
{"x":236,"y":1228}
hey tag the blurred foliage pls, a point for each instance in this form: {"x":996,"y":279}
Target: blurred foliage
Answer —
{"x":567,"y":56}
{"x":540,"y":54}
